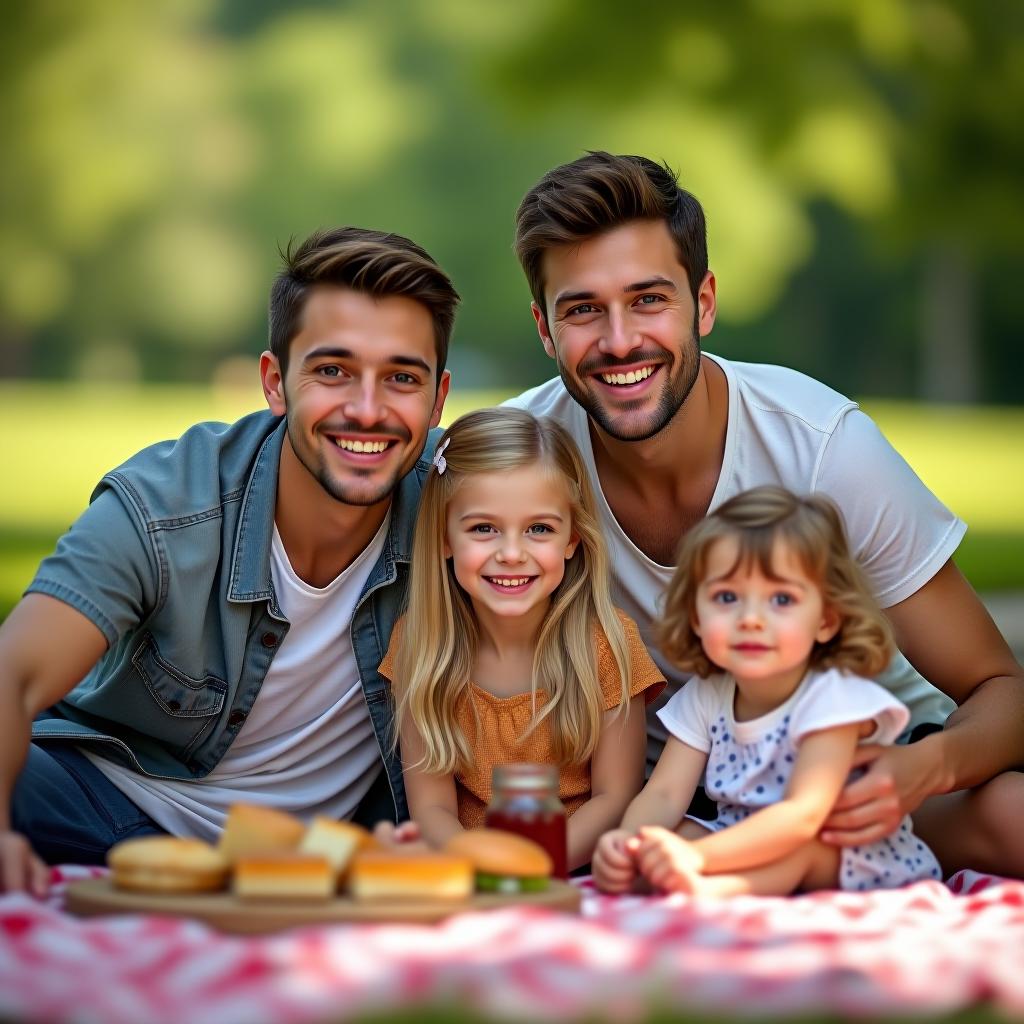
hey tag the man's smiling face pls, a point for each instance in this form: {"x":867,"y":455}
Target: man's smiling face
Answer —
{"x":623,"y":327}
{"x":361,"y":391}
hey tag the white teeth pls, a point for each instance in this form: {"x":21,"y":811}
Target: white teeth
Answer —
{"x":628,"y":378}
{"x":361,"y":446}
{"x":505,"y":581}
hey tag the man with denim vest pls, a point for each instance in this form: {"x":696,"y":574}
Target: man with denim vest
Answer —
{"x":209,"y":630}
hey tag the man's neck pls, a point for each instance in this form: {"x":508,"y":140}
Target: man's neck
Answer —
{"x":321,"y":536}
{"x":657,"y":489}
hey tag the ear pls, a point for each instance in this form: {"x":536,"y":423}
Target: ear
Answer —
{"x":695,"y":623}
{"x":830,"y":624}
{"x":273,"y":383}
{"x":446,"y":548}
{"x":442,"y":393}
{"x":570,"y":548}
{"x":542,"y":329}
{"x":707,"y":305}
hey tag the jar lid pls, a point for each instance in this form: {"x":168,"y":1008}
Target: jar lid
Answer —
{"x":523,"y":776}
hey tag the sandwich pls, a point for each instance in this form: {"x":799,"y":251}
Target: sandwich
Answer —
{"x":336,"y":841}
{"x":503,"y":862}
{"x":283,"y":876}
{"x":167,"y":864}
{"x":251,"y":830}
{"x":381,"y":874}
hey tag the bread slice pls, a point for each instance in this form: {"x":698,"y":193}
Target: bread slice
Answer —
{"x":252,"y":831}
{"x":286,"y":876}
{"x":394,"y":875}
{"x":167,"y":864}
{"x":335,"y":841}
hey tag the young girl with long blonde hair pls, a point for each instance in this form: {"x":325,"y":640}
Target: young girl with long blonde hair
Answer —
{"x":511,"y":649}
{"x":769,"y":609}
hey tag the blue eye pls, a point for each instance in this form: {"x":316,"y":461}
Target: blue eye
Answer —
{"x":540,"y":528}
{"x":329,"y":371}
{"x":783,"y":600}
{"x":724,"y":597}
{"x":481,"y":528}
{"x":582,"y":309}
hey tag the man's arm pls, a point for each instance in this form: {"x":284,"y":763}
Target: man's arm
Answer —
{"x":46,"y":647}
{"x":948,"y":636}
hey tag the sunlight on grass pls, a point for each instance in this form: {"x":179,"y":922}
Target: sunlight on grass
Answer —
{"x":60,"y":439}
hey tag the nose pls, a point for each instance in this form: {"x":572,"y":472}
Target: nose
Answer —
{"x":619,"y":338}
{"x":365,"y":407}
{"x":510,"y":550}
{"x":750,"y":616}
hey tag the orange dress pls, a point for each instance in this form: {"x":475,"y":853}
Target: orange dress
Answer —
{"x":496,"y":731}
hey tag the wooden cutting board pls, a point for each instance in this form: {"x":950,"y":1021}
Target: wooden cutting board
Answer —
{"x":228,"y":913}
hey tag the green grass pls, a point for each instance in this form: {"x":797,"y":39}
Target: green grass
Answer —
{"x":59,"y":440}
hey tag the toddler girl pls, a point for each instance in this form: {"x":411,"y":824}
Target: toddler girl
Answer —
{"x":769,"y":609}
{"x":511,"y":649}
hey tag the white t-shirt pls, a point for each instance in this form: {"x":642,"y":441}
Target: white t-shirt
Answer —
{"x":749,"y":763}
{"x":786,"y":428}
{"x":307,"y":746}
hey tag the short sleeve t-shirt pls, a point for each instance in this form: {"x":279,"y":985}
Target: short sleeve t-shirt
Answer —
{"x":498,"y":728}
{"x":787,"y":429}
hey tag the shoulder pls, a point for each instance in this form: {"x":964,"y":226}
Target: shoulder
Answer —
{"x":549,"y":399}
{"x":210,"y":463}
{"x":832,"y":698}
{"x":783,"y":393}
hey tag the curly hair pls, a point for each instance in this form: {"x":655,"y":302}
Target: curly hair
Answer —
{"x":812,"y":529}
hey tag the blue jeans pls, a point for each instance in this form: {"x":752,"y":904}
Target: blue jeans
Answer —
{"x":68,"y":810}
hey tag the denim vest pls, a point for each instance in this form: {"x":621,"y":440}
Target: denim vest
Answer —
{"x":171,"y":561}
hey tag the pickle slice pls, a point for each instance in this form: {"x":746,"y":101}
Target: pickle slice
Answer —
{"x":509,"y":883}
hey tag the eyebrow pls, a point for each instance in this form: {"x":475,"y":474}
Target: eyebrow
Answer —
{"x":637,"y":286}
{"x":553,"y":516}
{"x":346,"y":353}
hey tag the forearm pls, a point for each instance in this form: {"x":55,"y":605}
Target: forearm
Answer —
{"x":653,"y":807}
{"x":599,"y":814}
{"x":983,"y":737}
{"x":15,"y":733}
{"x":437,"y":824}
{"x":766,"y":836}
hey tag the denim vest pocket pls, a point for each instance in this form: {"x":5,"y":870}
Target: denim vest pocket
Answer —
{"x":183,"y":707}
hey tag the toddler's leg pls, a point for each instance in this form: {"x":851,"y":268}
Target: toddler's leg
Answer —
{"x":812,"y":866}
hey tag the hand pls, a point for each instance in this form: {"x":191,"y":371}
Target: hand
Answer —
{"x":897,"y":781}
{"x":667,"y":860}
{"x":20,"y":869}
{"x":612,"y":864}
{"x":405,"y":834}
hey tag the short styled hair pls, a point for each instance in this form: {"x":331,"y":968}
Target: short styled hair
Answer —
{"x":599,"y":192}
{"x":812,"y":529}
{"x":377,"y":263}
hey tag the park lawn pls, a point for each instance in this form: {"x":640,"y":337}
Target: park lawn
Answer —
{"x":59,"y":439}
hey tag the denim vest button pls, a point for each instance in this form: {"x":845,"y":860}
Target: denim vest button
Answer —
{"x":269,"y":640}
{"x":236,"y":718}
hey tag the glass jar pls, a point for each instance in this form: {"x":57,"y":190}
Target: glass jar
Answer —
{"x":524,"y":800}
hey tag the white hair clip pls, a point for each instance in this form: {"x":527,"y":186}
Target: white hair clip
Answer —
{"x":439,"y":459}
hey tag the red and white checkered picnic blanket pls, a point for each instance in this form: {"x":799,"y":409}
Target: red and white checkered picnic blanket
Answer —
{"x":929,"y":948}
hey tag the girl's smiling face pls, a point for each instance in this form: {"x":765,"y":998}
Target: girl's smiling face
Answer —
{"x":509,"y":535}
{"x":760,"y":628}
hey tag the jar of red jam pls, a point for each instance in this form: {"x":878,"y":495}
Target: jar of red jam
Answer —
{"x":524,"y":800}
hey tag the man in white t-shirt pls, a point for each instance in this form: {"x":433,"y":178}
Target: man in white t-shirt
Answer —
{"x":616,"y":257}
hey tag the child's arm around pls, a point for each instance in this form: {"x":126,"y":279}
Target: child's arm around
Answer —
{"x":771,"y":833}
{"x":616,"y":774}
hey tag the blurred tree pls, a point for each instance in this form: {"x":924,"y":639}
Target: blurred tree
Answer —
{"x":905,"y":113}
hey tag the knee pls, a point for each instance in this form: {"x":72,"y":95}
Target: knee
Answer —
{"x":997,"y":815}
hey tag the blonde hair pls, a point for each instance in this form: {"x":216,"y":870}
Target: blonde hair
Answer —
{"x":434,"y":665}
{"x":813,"y":531}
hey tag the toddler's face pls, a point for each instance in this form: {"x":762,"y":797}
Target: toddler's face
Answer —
{"x":509,"y":535}
{"x":757,"y":628}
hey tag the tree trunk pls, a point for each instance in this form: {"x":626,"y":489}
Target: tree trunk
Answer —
{"x":949,"y":326}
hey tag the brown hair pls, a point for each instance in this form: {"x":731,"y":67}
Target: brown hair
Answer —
{"x":433,"y":668}
{"x":813,"y":530}
{"x":375,"y":262}
{"x":599,"y":192}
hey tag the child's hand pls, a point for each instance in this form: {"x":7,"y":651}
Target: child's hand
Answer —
{"x":612,"y":863}
{"x":667,"y":860}
{"x":405,"y":834}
